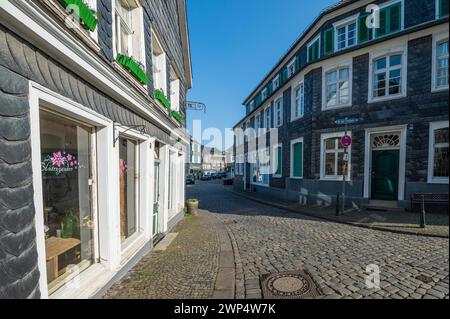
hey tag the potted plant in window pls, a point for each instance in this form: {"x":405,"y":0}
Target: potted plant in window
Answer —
{"x":70,"y":224}
{"x":192,"y":207}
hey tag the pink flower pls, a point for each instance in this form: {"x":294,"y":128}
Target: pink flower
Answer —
{"x":57,"y":159}
{"x":69,"y":157}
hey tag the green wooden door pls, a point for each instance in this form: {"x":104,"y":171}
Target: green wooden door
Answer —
{"x":156,"y":196}
{"x":385,"y":171}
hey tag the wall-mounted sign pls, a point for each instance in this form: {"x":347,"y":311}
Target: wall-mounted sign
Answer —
{"x":346,"y":121}
{"x":58,"y":163}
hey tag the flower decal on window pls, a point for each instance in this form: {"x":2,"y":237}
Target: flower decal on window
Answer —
{"x":59,"y":162}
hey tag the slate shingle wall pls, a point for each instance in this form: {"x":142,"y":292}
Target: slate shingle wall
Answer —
{"x":19,"y":274}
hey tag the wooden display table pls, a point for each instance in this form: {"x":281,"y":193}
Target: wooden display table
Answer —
{"x":54,"y":247}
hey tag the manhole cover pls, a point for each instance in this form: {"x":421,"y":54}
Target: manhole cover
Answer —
{"x":289,"y":285}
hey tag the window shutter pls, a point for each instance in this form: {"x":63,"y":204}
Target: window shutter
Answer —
{"x":279,"y":160}
{"x":395,"y":18}
{"x":383,"y":29}
{"x":364,"y":33}
{"x":297,"y":64}
{"x":298,"y":160}
{"x":443,"y":8}
{"x":316,"y":50}
{"x":269,"y":87}
{"x":328,"y":41}
{"x":310,"y":53}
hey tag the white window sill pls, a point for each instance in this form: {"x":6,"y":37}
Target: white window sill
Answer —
{"x":437,"y":180}
{"x":386,"y":98}
{"x":295,"y":177}
{"x":330,"y":108}
{"x":439,"y":89}
{"x":131,"y":245}
{"x":277,"y":176}
{"x":335,"y":179}
{"x":297,"y":118}
{"x":260,"y":184}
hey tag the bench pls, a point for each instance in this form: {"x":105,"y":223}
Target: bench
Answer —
{"x":429,"y":198}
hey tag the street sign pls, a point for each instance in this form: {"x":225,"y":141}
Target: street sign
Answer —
{"x":346,"y":121}
{"x":346,"y":141}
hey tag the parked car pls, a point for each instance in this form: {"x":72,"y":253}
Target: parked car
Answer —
{"x":206,"y":177}
{"x":190,"y":180}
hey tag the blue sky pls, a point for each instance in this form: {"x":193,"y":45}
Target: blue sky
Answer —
{"x":234,"y":44}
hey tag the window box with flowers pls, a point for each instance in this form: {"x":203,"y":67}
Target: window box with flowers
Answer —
{"x":177,"y":116}
{"x":159,"y":95}
{"x":134,"y":67}
{"x":87,"y":16}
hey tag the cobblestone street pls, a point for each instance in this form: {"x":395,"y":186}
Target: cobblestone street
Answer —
{"x":269,"y":240}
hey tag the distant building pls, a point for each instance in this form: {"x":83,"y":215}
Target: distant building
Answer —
{"x":194,"y":165}
{"x":213,"y":160}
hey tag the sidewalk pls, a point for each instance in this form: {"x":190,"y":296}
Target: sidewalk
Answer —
{"x":194,"y":261}
{"x":398,"y":222}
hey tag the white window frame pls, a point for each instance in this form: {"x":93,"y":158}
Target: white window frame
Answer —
{"x":278,"y":117}
{"x":106,"y":216}
{"x":136,"y":38}
{"x":272,"y":162}
{"x":403,"y":51}
{"x":324,"y":137}
{"x":318,"y":37}
{"x":291,"y":64}
{"x":437,"y":39}
{"x":269,"y":117}
{"x":301,"y":83}
{"x":336,"y":67}
{"x":431,"y":179}
{"x":264,"y":94}
{"x":276,"y":83}
{"x":293,"y":142}
{"x":159,"y":65}
{"x":257,"y":123}
{"x":344,"y":24}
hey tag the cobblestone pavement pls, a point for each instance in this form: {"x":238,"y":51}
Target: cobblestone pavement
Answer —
{"x":186,"y":270}
{"x":270,"y":240}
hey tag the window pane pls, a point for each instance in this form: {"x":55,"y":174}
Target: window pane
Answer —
{"x":330,"y":144}
{"x":331,"y":77}
{"x":342,"y":166}
{"x":395,"y":60}
{"x":394,"y":81}
{"x":343,"y":74}
{"x":127,"y":169}
{"x":352,"y":34}
{"x":442,"y":49}
{"x":331,"y":94}
{"x":441,"y":160}
{"x":380,"y":64}
{"x":68,"y":221}
{"x":379,"y":84}
{"x":330,"y":164}
{"x":441,"y":136}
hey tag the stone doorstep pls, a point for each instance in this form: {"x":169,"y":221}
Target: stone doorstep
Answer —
{"x":165,"y":242}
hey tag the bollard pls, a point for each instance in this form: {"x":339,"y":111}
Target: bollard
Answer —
{"x":337,"y":204}
{"x":423,"y":223}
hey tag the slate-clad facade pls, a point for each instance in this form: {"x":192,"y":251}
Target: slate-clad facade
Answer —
{"x":91,"y":162}
{"x":407,"y":124}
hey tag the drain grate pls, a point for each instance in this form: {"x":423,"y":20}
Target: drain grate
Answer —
{"x":424,"y":279}
{"x":289,"y":285}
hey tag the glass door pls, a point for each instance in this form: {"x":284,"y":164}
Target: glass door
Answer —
{"x":156,"y":200}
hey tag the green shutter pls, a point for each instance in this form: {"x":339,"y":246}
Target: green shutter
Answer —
{"x":328,"y":41}
{"x":364,"y":33}
{"x":443,"y":8}
{"x":297,"y":64}
{"x":383,"y":29}
{"x":395,"y":17}
{"x":284,"y":76}
{"x":279,"y":160}
{"x":310,"y":54}
{"x":298,"y":160}
{"x":316,"y":50}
